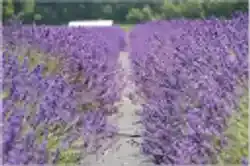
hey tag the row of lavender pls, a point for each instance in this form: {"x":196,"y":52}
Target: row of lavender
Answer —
{"x":192,"y":74}
{"x":59,"y":85}
{"x":115,"y":34}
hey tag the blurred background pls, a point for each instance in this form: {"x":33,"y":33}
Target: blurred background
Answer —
{"x":122,"y":12}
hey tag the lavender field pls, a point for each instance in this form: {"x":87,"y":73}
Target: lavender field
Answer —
{"x":177,"y":88}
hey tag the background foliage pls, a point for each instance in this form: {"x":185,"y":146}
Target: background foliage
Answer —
{"x":120,"y":12}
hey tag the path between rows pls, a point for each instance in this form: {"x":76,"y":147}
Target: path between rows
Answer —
{"x":122,"y":150}
{"x":125,"y":150}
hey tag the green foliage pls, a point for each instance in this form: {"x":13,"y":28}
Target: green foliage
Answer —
{"x":170,"y":10}
{"x":192,"y":9}
{"x":186,"y":8}
{"x":126,"y":27}
{"x":62,"y":13}
{"x":237,"y":133}
{"x":28,"y":6}
{"x":8,"y":8}
{"x":135,"y":15}
{"x":37,"y":17}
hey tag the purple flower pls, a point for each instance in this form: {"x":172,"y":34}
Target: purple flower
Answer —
{"x":44,"y":105}
{"x":190,"y":78}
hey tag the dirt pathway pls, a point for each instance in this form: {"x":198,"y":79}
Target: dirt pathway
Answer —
{"x":125,"y":149}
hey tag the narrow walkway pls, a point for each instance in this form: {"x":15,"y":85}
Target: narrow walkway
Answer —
{"x":124,"y":149}
{"x":127,"y":110}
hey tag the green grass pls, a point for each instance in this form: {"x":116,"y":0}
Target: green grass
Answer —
{"x":237,"y":133}
{"x":126,"y":27}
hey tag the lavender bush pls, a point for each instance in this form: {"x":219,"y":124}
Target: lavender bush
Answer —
{"x":59,"y":86}
{"x":192,"y":74}
{"x":115,"y":34}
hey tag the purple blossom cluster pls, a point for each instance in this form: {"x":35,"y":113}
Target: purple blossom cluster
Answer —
{"x":59,"y":87}
{"x":192,"y":74}
{"x":116,"y":34}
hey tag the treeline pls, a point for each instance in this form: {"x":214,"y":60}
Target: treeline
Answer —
{"x":120,"y":12}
